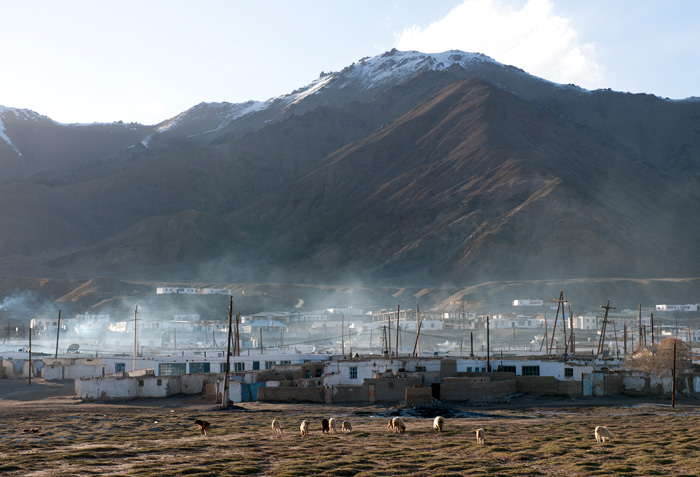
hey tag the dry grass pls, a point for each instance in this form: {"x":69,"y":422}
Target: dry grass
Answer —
{"x":647,"y":440}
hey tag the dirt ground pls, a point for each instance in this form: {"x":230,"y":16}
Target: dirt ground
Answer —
{"x":45,"y":431}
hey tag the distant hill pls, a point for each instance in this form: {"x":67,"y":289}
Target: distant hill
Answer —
{"x":406,"y":168}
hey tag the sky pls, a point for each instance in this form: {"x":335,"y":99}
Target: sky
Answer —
{"x":84,"y":61}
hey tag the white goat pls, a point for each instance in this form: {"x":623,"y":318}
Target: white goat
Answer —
{"x":331,"y":425}
{"x":276,"y":427}
{"x":602,"y":434}
{"x":438,"y":423}
{"x":304,"y":428}
{"x":396,"y":425}
{"x":345,"y":426}
{"x":480,"y":436}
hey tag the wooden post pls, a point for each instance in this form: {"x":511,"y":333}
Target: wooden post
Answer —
{"x":261,"y":346}
{"x":342,"y":334}
{"x":388,"y":342}
{"x":471,"y":344}
{"x":460,"y":348}
{"x":224,"y":392}
{"x":572,"y":341}
{"x":417,"y":337}
{"x":58,"y":332}
{"x":652,"y":332}
{"x":624,"y":326}
{"x":238,"y":334}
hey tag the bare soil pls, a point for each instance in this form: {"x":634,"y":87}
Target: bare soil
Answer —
{"x":45,"y":431}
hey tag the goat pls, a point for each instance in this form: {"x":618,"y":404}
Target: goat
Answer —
{"x":480,"y":436}
{"x":331,"y":425}
{"x":325,"y":428}
{"x":602,"y":434}
{"x":438,"y":423}
{"x":304,"y":428}
{"x":396,"y":425}
{"x":345,"y":426}
{"x":276,"y":427}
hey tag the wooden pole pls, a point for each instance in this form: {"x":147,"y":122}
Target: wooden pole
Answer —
{"x":261,"y":345}
{"x":342,"y":334}
{"x":398,"y":314}
{"x":417,"y":337}
{"x":559,"y":303}
{"x":238,"y":334}
{"x":136,"y":346}
{"x":673,"y":392}
{"x":488,"y":355}
{"x":58,"y":332}
{"x":641,"y":329}
{"x":460,"y":347}
{"x":572,"y":341}
{"x":417,"y":327}
{"x":30,"y":355}
{"x":603,"y":327}
{"x":224,"y":392}
{"x":624,"y":326}
{"x":652,"y":332}
{"x":388,"y":342}
{"x":471,"y":344}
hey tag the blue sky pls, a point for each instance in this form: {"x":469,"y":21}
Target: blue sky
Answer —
{"x":146,"y":61}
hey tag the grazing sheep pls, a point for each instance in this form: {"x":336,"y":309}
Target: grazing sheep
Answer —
{"x":345,"y":426}
{"x":480,"y":436}
{"x":396,"y":425}
{"x":304,"y":428}
{"x":602,"y":434}
{"x":324,"y":426}
{"x":276,"y":427}
{"x":204,"y":427}
{"x":438,"y":423}
{"x":331,"y":425}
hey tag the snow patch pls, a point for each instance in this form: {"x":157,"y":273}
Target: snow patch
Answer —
{"x":4,"y":136}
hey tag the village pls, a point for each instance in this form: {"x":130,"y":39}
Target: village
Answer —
{"x":351,"y":355}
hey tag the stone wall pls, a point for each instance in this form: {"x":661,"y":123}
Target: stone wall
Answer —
{"x":419,"y":396}
{"x":342,"y":393}
{"x":476,"y":389}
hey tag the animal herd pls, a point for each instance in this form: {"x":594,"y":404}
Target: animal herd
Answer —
{"x":395,"y":424}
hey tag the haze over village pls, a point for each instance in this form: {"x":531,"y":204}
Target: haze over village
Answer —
{"x":477,"y":204}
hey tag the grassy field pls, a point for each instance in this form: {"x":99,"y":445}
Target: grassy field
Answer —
{"x":161,"y":441}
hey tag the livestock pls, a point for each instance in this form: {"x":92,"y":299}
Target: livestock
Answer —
{"x":325,"y":428}
{"x":438,"y":423}
{"x":480,"y":436}
{"x":345,"y":426}
{"x":602,"y":434}
{"x":304,"y":428}
{"x":276,"y":427}
{"x":396,"y":425}
{"x":204,"y":427}
{"x":331,"y":425}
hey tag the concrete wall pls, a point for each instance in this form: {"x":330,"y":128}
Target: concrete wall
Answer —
{"x":476,"y":389}
{"x":314,"y":395}
{"x":73,"y":368}
{"x":392,"y":389}
{"x":548,"y":386}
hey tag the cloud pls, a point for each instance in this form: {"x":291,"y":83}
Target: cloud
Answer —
{"x":529,"y":35}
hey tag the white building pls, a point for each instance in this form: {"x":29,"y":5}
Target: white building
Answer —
{"x":677,"y":307}
{"x":528,"y":303}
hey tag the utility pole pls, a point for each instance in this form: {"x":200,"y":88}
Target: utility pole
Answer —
{"x":417,"y":340}
{"x":673,"y":393}
{"x":488,"y":355}
{"x":601,"y":342}
{"x":136,"y":346}
{"x":652,"y":332}
{"x":572,"y":341}
{"x":471,"y":344}
{"x":58,"y":332}
{"x":398,"y":314}
{"x":261,"y":345}
{"x":391,"y":354}
{"x":624,"y":326}
{"x":238,"y":335}
{"x":641,"y":336}
{"x":342,"y":334}
{"x":418,"y":328}
{"x":559,"y":303}
{"x":30,"y":354}
{"x":224,"y":392}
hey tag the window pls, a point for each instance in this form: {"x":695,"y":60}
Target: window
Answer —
{"x":222,"y":367}
{"x":469,"y":369}
{"x":420,"y":369}
{"x":568,"y":372}
{"x":141,"y":382}
{"x":269,"y":364}
{"x":508,"y":369}
{"x":285,"y":362}
{"x":531,"y":370}
{"x":199,"y":367}
{"x":160,"y":382}
{"x":119,"y":367}
{"x":172,"y":369}
{"x":239,"y":366}
{"x":353,"y":372}
{"x":256,"y":365}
